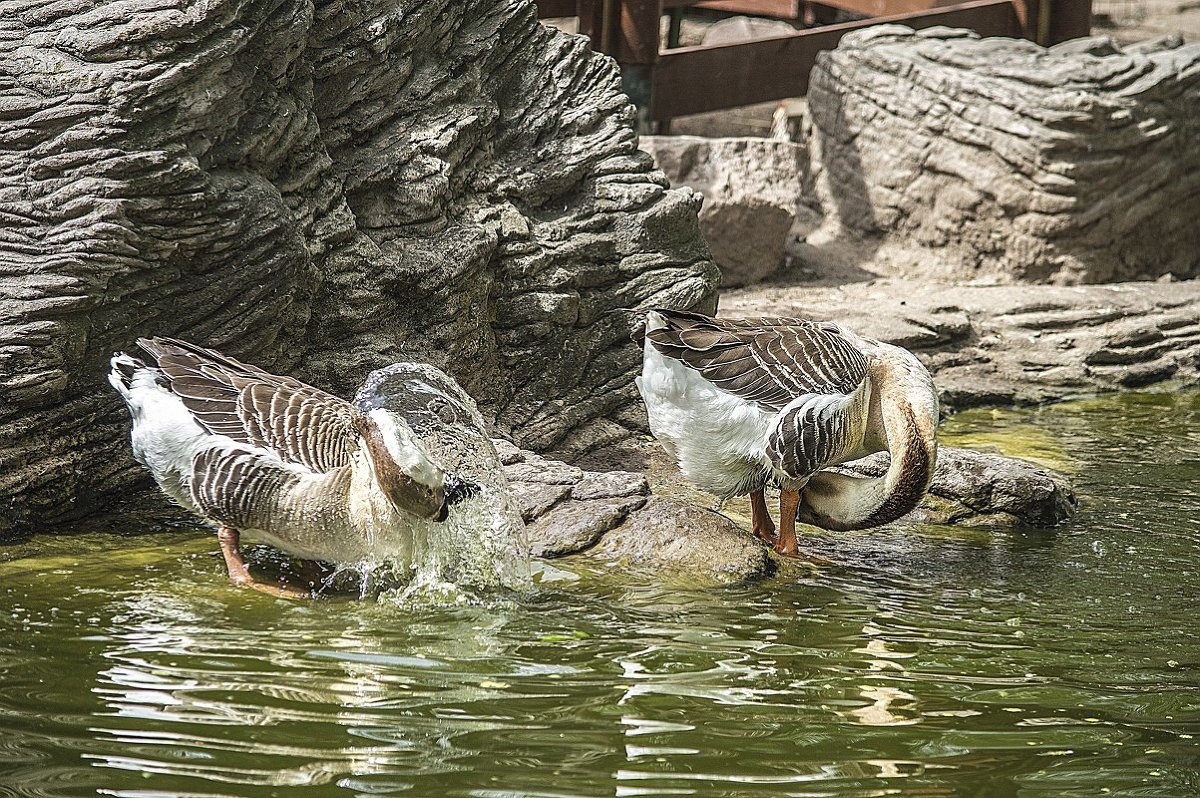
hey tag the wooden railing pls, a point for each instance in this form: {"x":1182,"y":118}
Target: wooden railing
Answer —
{"x":666,"y":83}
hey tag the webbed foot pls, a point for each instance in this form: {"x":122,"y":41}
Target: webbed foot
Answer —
{"x":239,"y":574}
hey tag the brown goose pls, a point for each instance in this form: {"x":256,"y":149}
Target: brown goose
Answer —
{"x":298,"y":468}
{"x":743,"y":402}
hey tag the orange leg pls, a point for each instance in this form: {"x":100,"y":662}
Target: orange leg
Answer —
{"x":239,"y":574}
{"x":760,"y":517}
{"x":786,"y":545}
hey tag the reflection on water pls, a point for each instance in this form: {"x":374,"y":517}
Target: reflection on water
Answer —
{"x":926,"y":662}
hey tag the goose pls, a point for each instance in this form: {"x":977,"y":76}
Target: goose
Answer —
{"x":309,"y":473}
{"x":740,"y":403}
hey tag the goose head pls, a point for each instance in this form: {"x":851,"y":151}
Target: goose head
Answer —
{"x":402,"y":467}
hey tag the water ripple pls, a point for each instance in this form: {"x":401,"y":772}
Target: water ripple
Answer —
{"x":926,"y":662}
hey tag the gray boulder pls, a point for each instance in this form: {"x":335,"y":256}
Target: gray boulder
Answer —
{"x":982,"y":488}
{"x":611,"y":517}
{"x":959,"y":157}
{"x":677,"y":542}
{"x":319,"y":191}
{"x":752,"y":189}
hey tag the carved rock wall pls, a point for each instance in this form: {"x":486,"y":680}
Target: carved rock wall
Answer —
{"x":319,"y":188}
{"x":998,"y":158}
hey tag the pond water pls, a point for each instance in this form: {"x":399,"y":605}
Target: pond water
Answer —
{"x":926,"y":661}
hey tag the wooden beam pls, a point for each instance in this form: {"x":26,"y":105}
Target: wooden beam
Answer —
{"x":1028,"y":13}
{"x":884,"y":8}
{"x":692,"y":80}
{"x":779,"y":9}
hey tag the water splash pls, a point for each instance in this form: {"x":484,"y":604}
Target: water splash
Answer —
{"x":482,"y":545}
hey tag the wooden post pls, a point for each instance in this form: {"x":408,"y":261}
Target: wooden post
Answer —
{"x":1049,"y":22}
{"x":1027,"y":17}
{"x":1069,"y":19}
{"x":592,"y":15}
{"x":637,"y":52}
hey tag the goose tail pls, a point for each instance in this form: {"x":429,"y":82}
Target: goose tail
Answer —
{"x":124,"y":366}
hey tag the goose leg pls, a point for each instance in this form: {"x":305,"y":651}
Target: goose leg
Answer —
{"x":786,"y":545}
{"x":239,"y":574}
{"x":760,"y":517}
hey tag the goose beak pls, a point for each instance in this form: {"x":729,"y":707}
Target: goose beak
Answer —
{"x":456,"y":490}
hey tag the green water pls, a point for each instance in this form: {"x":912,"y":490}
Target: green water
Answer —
{"x":927,"y":661}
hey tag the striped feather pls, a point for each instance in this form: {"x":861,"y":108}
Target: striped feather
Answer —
{"x":299,"y":423}
{"x":237,"y":487}
{"x":767,"y":361}
{"x":816,"y":431}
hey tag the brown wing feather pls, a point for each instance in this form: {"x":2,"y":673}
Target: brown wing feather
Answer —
{"x":768,"y":361}
{"x":301,"y":424}
{"x":816,"y":431}
{"x":239,"y":488}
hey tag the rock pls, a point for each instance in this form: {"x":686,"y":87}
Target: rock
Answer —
{"x":611,"y":516}
{"x":682,"y":543}
{"x":751,"y":190}
{"x":1007,"y":160}
{"x":508,"y":452}
{"x":567,"y":509}
{"x":610,"y":484}
{"x":533,"y":499}
{"x":545,"y":472}
{"x":976,"y":487}
{"x":1012,"y":345}
{"x":574,"y":525}
{"x":740,"y":29}
{"x":319,"y":190}
{"x":1002,"y":489}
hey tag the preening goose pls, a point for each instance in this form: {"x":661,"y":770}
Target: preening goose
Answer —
{"x":740,"y":403}
{"x":298,"y":468}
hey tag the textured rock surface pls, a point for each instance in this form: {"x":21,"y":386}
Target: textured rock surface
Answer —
{"x":679,"y":542}
{"x":318,"y":188}
{"x":1006,"y":160}
{"x":611,"y":516}
{"x":751,"y":190}
{"x":987,"y":488}
{"x":1005,"y":345}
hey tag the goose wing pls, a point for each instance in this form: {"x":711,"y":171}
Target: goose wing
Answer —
{"x":767,"y":361}
{"x":239,"y":487}
{"x":300,"y":424}
{"x":818,"y":430}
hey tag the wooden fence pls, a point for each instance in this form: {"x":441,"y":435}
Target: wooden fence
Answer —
{"x":676,"y":81}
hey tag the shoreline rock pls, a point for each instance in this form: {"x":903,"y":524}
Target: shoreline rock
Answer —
{"x":984,"y":489}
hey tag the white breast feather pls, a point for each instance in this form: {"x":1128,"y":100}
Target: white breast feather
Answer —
{"x":718,"y":439}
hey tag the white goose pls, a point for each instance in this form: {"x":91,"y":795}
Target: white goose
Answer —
{"x":298,"y":468}
{"x":743,"y":402}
